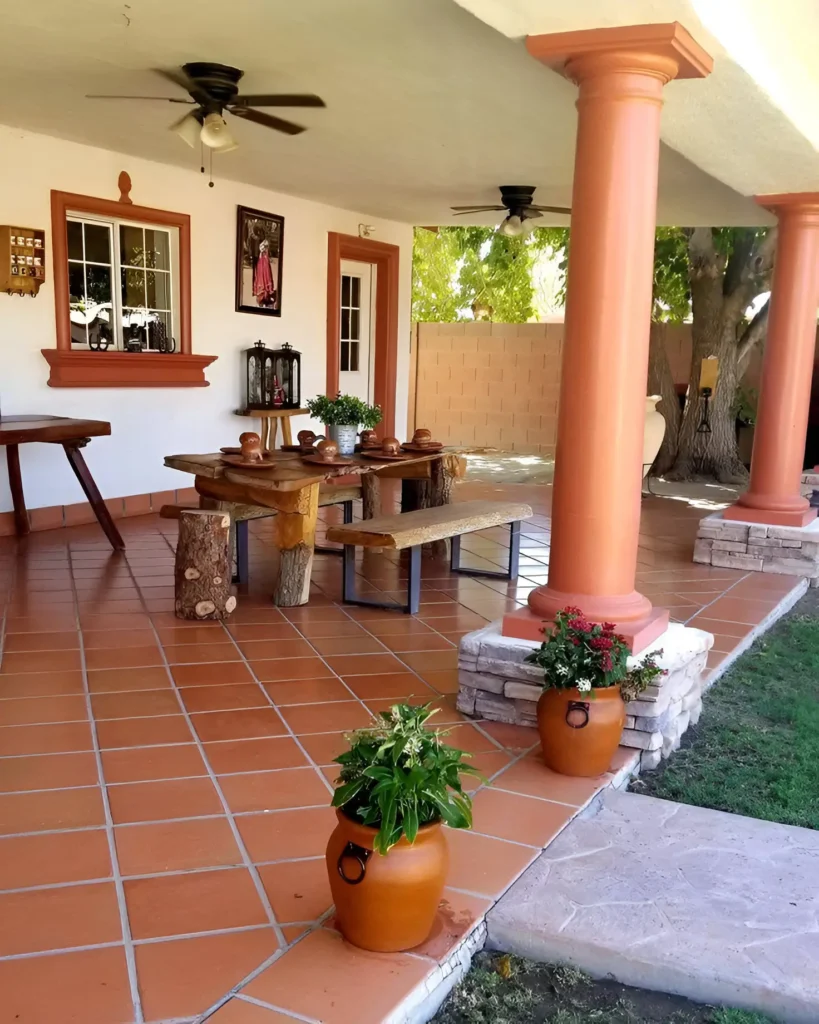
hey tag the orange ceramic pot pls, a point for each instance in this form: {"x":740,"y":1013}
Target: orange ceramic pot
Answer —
{"x":386,"y":903}
{"x":579,"y":735}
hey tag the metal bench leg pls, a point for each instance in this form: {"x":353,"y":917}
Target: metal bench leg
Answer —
{"x":241,"y":541}
{"x":347,"y":517}
{"x":514,"y":558}
{"x":350,"y":596}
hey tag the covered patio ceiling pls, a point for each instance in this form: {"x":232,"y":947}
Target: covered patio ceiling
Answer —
{"x":427,"y":105}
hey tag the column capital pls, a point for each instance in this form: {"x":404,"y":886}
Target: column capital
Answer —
{"x":667,"y":50}
{"x":804,"y":205}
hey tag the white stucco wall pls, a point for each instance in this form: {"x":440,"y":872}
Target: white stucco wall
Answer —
{"x":150,"y":423}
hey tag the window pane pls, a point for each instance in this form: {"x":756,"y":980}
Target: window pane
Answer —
{"x":74,"y":240}
{"x":345,"y":355}
{"x":98,"y":284}
{"x":157,"y":249}
{"x":159,"y":330}
{"x":97,"y":243}
{"x":345,"y":290}
{"x":157,"y":290}
{"x":356,"y":300}
{"x":131,"y":246}
{"x":354,"y":328}
{"x":353,"y":355}
{"x":133,"y":288}
{"x":76,"y":283}
{"x":345,"y":323}
{"x":78,"y":335}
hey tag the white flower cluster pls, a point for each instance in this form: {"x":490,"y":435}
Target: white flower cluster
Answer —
{"x":562,"y":670}
{"x":584,"y":685}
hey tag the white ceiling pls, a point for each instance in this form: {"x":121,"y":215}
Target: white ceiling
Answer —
{"x":427,"y":105}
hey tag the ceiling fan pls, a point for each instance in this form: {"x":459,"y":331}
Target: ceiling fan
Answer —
{"x":214,"y":90}
{"x":517,"y":200}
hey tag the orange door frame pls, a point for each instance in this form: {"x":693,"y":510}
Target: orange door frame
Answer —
{"x":387,"y":259}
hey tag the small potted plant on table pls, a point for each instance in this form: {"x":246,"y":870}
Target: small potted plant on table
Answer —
{"x":586,"y":680}
{"x":387,"y":858}
{"x":343,"y":416}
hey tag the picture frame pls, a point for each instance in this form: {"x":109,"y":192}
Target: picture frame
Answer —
{"x":259,"y":257}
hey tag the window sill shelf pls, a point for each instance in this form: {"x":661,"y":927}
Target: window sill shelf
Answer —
{"x":82,"y":369}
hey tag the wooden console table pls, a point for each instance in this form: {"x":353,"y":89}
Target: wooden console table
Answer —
{"x":269,"y":420}
{"x":72,"y":435}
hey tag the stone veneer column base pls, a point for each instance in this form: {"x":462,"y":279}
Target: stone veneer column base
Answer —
{"x":788,"y":550}
{"x":496,"y":683}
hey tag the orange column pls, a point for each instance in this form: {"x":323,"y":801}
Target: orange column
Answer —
{"x":598,"y":469}
{"x":787,"y":368}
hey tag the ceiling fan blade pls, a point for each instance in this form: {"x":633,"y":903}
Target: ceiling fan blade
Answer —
{"x":475,"y":209}
{"x":167,"y":99}
{"x":178,"y":77}
{"x":552,"y":209}
{"x":280,"y":100}
{"x":268,"y":120}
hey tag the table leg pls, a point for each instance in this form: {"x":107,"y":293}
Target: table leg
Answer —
{"x":21,"y":524}
{"x":287,"y":434}
{"x":81,"y":471}
{"x":264,"y":432}
{"x":371,"y":495}
{"x":294,"y":533}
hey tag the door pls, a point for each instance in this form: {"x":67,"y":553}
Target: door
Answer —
{"x":357,"y":351}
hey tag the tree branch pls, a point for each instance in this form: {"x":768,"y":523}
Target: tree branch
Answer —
{"x":751,"y":336}
{"x":704,"y":260}
{"x":750,"y":276}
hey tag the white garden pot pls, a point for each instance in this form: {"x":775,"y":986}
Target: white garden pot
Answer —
{"x":344,"y":437}
{"x":653,"y":432}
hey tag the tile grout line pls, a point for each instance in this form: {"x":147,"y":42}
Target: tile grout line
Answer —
{"x":125,"y":924}
{"x":278,"y":1009}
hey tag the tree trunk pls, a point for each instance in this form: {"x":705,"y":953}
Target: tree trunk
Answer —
{"x":661,"y":382}
{"x":202,"y":570}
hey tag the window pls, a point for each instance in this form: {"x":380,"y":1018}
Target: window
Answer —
{"x":350,"y":321}
{"x":122,"y":278}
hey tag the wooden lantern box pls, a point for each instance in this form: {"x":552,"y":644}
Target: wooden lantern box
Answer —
{"x":22,"y":260}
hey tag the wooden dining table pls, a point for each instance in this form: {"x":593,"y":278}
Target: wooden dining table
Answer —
{"x":290,"y":487}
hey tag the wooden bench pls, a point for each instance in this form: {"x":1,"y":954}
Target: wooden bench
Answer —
{"x":414,"y":529}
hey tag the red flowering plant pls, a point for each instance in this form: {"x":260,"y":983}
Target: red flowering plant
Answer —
{"x":583,"y":655}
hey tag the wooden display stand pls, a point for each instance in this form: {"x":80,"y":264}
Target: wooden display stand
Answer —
{"x":22,"y":260}
{"x":269,"y":425}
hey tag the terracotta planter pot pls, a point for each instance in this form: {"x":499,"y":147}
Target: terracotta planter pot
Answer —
{"x":386,"y":903}
{"x":580,"y":735}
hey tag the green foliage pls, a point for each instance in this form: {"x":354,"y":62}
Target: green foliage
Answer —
{"x":399,"y":776}
{"x":344,"y":411}
{"x":745,"y":405}
{"x":672,"y":294}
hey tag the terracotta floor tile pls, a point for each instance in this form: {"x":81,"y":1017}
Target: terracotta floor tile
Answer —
{"x":431,"y":661}
{"x":521,"y":819}
{"x":199,"y":902}
{"x":96,"y":621}
{"x":284,"y":835}
{"x":43,"y":623}
{"x":359,"y":644}
{"x":734,"y":629}
{"x":176,"y":846}
{"x":417,"y":642}
{"x":484,"y":865}
{"x":118,"y":680}
{"x":222,"y":673}
{"x":224,"y":698}
{"x":323,"y":977}
{"x":235,"y":725}
{"x":315,"y":613}
{"x":297,"y":890}
{"x":516,"y":738}
{"x":283,"y":669}
{"x":531,"y":777}
{"x":197,"y":633}
{"x":37,"y":710}
{"x":257,"y":614}
{"x":237,"y":1011}
{"x":364,"y":664}
{"x":470,"y":739}
{"x":254,"y":755}
{"x":309,"y":718}
{"x":99,"y":639}
{"x":340,"y":627}
{"x":87,"y":987}
{"x":739,"y":609}
{"x":47,"y":771}
{"x":41,"y":684}
{"x":77,"y":915}
{"x":57,"y":641}
{"x":143,"y":732}
{"x":172,"y":798}
{"x":324,"y":748}
{"x":457,"y":916}
{"x":443,"y":682}
{"x":135,"y":704}
{"x":123,"y":657}
{"x":488,"y":764}
{"x":40,"y":661}
{"x":268,"y":791}
{"x":194,"y":654}
{"x":145,"y":764}
{"x":307,"y":691}
{"x":398,"y":625}
{"x":392,"y":685}
{"x":45,"y":739}
{"x":263,"y":631}
{"x":255,"y":650}
{"x":51,"y":859}
{"x":184,"y":977}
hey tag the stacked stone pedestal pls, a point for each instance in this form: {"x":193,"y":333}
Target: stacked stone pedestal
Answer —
{"x":731,"y":544}
{"x":495,"y":682}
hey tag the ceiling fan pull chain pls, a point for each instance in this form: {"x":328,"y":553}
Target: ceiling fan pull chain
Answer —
{"x":210,"y":183}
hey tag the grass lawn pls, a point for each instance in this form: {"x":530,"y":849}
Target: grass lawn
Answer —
{"x":503,"y":989}
{"x":755,"y":750}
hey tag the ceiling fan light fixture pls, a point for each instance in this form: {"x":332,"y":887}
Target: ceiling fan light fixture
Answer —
{"x":527,"y":227}
{"x":215,"y":134}
{"x":512,"y":226}
{"x":188,"y":129}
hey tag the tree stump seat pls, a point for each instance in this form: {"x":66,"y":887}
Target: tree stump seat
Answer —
{"x":414,"y":529}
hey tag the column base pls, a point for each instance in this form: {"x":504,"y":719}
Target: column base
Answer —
{"x":639,"y":633}
{"x":762,"y":547}
{"x":496,"y":683}
{"x":742,"y":514}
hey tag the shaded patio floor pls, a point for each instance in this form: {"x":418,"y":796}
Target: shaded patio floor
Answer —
{"x":164,"y":786}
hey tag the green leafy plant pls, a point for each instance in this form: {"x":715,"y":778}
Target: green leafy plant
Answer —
{"x":344,"y":411}
{"x":746,"y":401}
{"x":583,"y":655}
{"x":399,"y":776}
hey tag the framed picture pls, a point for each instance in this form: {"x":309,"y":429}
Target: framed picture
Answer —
{"x":259,"y":247}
